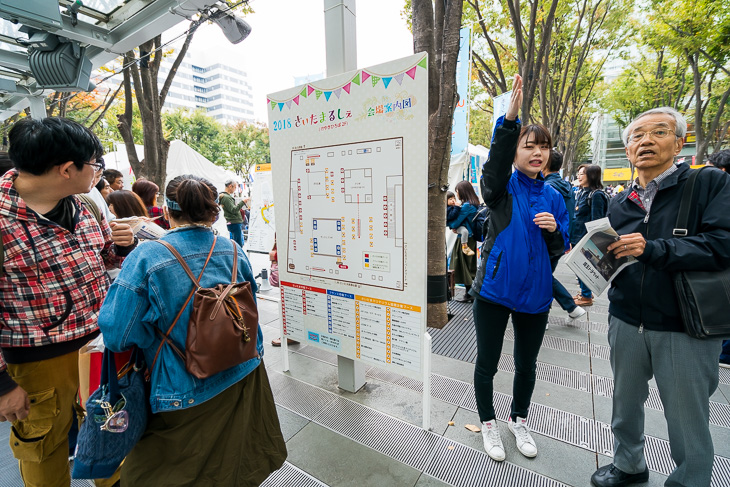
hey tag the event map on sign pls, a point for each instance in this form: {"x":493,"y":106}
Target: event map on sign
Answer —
{"x":346,"y":213}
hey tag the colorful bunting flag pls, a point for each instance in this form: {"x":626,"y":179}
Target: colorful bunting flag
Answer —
{"x":359,"y":78}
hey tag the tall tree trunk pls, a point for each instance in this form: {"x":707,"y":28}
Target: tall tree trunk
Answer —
{"x":437,"y":33}
{"x":143,"y":73}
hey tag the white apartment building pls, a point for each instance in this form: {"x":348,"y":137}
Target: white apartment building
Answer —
{"x":221,"y":89}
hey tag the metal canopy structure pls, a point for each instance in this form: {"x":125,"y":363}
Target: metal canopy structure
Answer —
{"x":97,"y":30}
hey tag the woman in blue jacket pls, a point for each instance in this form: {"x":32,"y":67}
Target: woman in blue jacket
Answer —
{"x":222,"y":430}
{"x":527,"y":225}
{"x":462,"y":223}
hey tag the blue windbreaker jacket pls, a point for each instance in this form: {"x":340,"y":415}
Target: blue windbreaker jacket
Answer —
{"x":466,"y":214}
{"x":514,"y":268}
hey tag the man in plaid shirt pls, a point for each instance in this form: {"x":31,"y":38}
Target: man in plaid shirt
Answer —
{"x":52,"y":283}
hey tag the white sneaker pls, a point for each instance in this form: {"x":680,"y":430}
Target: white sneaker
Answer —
{"x":492,"y":441}
{"x":525,"y":443}
{"x":578,"y":312}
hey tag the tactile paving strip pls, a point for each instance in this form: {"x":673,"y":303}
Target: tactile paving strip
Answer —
{"x":397,"y":439}
{"x":581,"y":431}
{"x":554,"y":423}
{"x":405,"y":442}
{"x":461,"y":466}
{"x":289,"y":475}
{"x":299,"y":397}
{"x":553,"y":374}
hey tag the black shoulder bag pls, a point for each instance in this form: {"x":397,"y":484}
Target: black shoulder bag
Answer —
{"x":703,"y":296}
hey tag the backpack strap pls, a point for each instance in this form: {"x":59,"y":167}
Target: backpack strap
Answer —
{"x":166,"y":337}
{"x":91,"y":206}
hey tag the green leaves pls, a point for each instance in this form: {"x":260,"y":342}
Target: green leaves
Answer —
{"x":236,"y":147}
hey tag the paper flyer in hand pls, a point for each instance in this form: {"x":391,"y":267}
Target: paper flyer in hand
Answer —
{"x":590,"y":259}
{"x":143,"y":228}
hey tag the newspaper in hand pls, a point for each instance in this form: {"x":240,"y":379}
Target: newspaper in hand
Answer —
{"x":143,"y":228}
{"x":590,"y":259}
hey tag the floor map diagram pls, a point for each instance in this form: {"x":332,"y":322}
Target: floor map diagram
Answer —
{"x":346,"y":213}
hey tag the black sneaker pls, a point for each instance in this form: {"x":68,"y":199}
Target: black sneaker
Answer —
{"x":612,"y":476}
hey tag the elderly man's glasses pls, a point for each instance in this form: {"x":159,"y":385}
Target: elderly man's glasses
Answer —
{"x":98,"y":165}
{"x":655,"y":134}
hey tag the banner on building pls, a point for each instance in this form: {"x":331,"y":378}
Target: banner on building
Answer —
{"x":460,"y":125}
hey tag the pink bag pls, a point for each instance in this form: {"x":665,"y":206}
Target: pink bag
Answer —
{"x":274,"y":274}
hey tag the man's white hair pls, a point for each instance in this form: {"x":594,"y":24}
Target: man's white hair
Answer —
{"x":229,"y":182}
{"x":680,"y":123}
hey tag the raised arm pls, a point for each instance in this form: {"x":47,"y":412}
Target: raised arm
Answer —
{"x":498,"y":168}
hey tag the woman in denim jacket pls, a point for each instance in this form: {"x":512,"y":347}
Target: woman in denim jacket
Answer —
{"x":222,"y":430}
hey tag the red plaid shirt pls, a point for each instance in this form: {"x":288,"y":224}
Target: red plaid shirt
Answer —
{"x":156,"y":212}
{"x":53,"y":280}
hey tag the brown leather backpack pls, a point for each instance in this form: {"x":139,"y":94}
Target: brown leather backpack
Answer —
{"x":223,"y":324}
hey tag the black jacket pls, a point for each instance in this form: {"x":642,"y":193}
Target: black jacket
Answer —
{"x":643,"y":293}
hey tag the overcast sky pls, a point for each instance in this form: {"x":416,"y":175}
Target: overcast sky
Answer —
{"x":287,"y":40}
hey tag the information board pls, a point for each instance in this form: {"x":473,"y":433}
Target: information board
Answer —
{"x":261,"y":224}
{"x":349,"y":169}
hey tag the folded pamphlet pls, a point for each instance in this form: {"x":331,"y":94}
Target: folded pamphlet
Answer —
{"x":143,"y":228}
{"x":590,"y":259}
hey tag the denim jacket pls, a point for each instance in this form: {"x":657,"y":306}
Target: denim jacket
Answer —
{"x":148,"y":294}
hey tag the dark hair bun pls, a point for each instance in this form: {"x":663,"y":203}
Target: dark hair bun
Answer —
{"x":196,"y":197}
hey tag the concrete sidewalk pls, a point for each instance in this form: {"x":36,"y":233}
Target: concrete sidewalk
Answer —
{"x":373,"y":437}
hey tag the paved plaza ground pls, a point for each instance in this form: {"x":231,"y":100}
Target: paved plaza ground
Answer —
{"x":374,"y":437}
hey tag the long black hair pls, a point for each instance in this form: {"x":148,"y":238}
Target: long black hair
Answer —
{"x":593,"y":175}
{"x":466,"y":193}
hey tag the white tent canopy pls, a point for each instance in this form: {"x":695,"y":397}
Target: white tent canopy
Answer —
{"x":181,"y":159}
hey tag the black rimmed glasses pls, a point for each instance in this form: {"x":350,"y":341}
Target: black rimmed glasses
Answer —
{"x":98,"y":165}
{"x":655,"y":134}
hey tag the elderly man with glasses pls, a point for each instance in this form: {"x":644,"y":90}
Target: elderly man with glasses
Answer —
{"x":645,"y":327}
{"x":52,"y":283}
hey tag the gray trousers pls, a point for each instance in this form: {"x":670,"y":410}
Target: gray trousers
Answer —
{"x":686,"y":373}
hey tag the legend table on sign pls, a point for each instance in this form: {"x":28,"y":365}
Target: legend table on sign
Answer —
{"x":378,"y":331}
